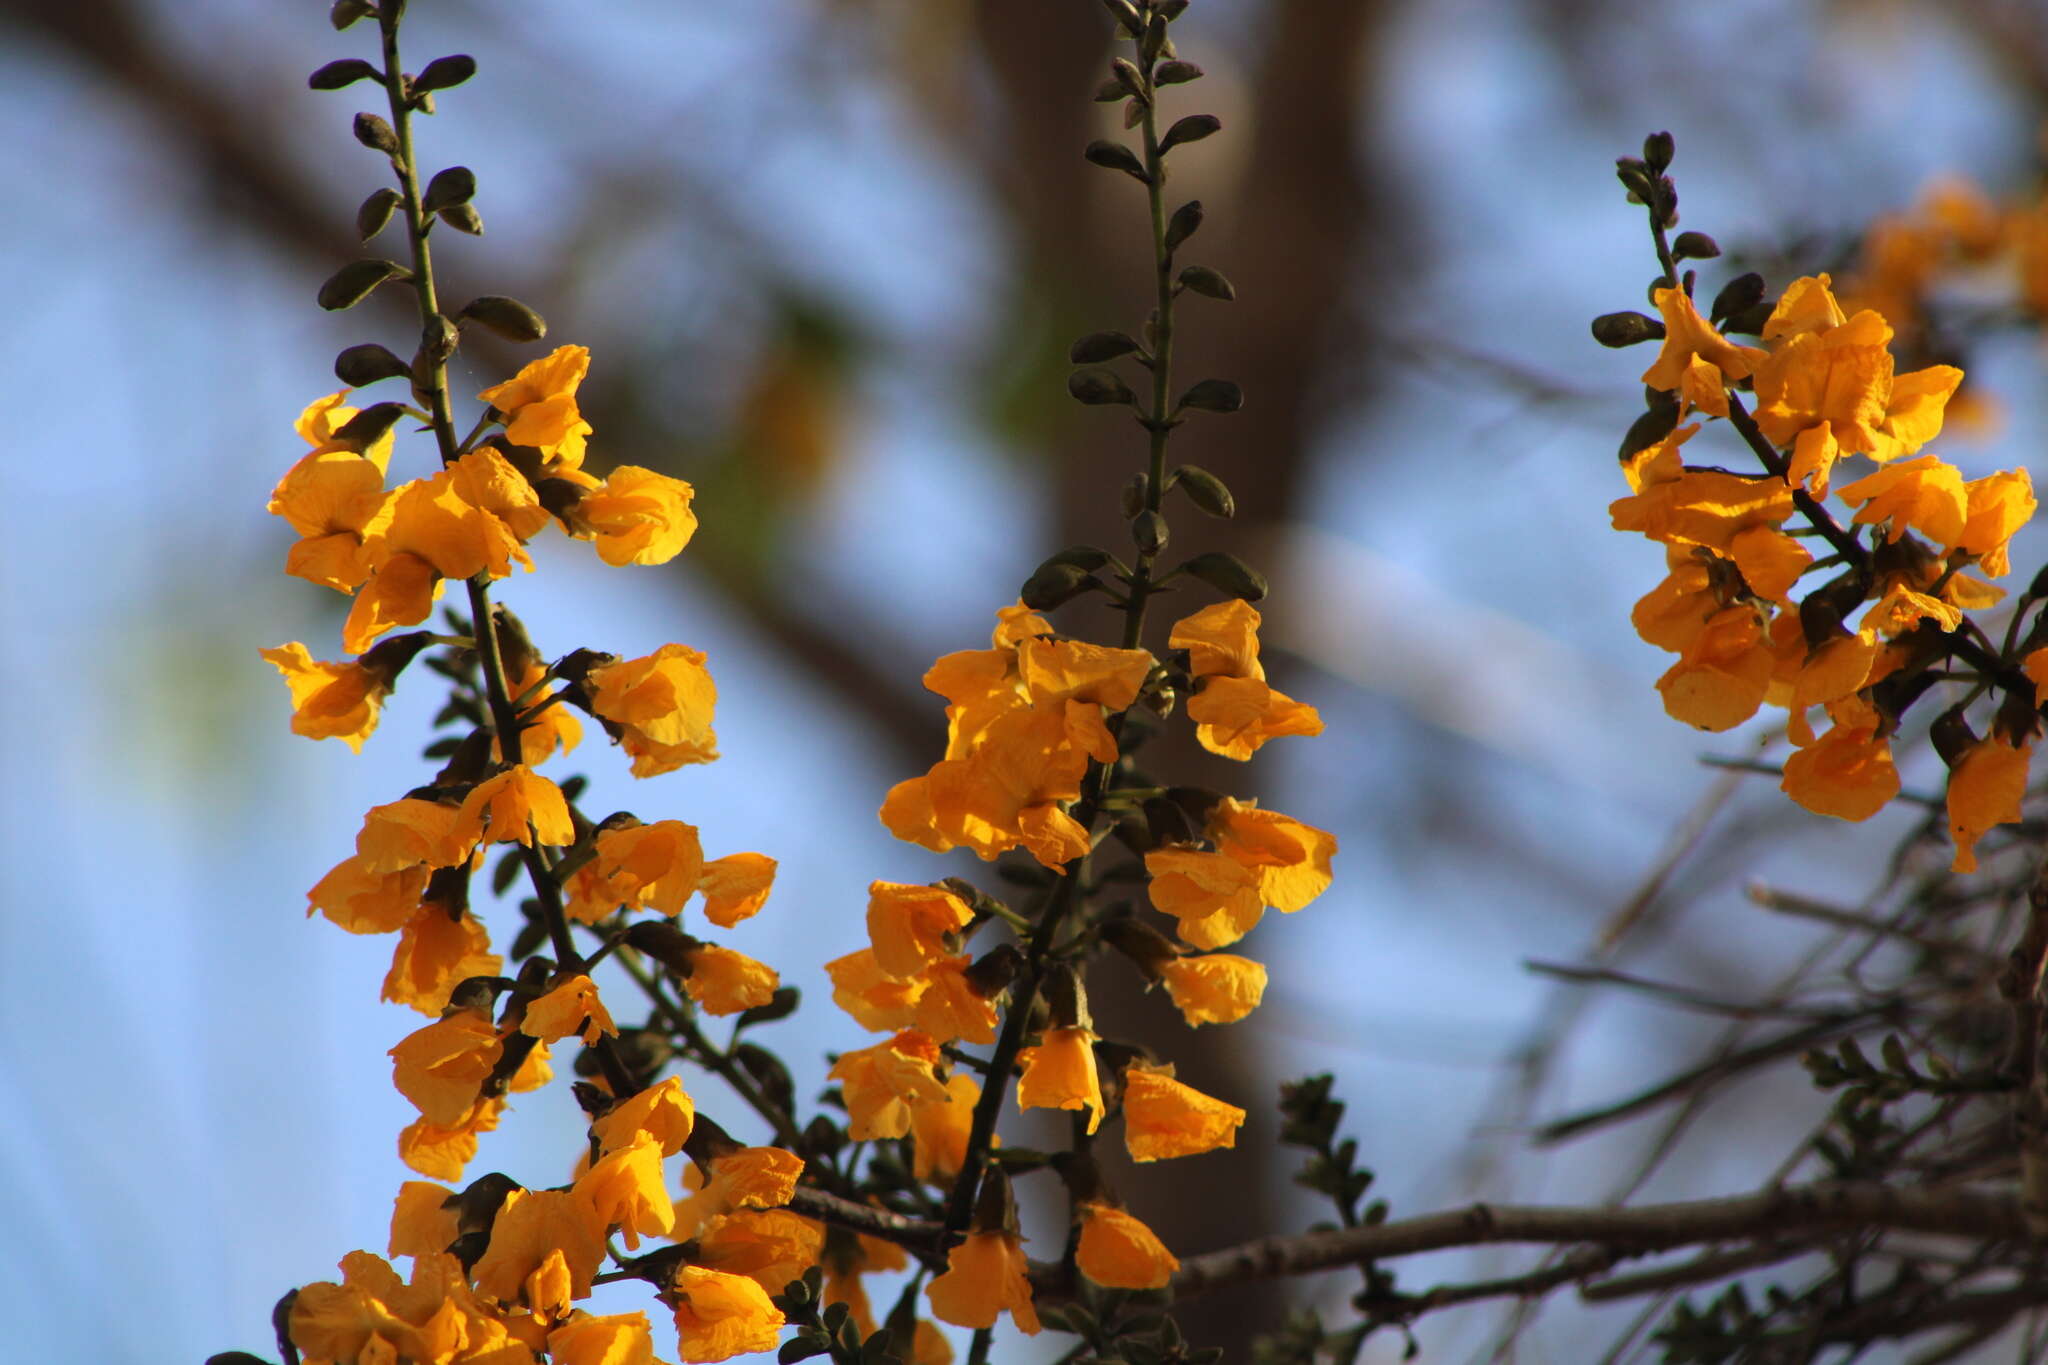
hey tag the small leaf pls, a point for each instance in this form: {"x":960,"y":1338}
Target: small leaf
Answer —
{"x":1184,"y":223}
{"x":366,"y":364}
{"x":339,"y":75}
{"x":780,"y":1006}
{"x":344,"y":13}
{"x":1176,"y":73}
{"x":1054,"y":584}
{"x":456,"y":185}
{"x":351,"y":284}
{"x":1096,"y":387}
{"x":1193,"y":128}
{"x":1207,"y":282}
{"x":1117,"y":157}
{"x":1097,"y":347}
{"x":375,"y":212}
{"x":1213,"y":395}
{"x":443,"y":72}
{"x":1226,"y":573}
{"x":507,"y":317}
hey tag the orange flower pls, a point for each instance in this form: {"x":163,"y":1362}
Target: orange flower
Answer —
{"x":401,"y":592}
{"x":1215,"y":897}
{"x":771,"y":1247}
{"x":532,"y":1226}
{"x":440,"y":1151}
{"x":1926,"y":494}
{"x":423,"y":1221}
{"x":1721,"y":678}
{"x":1060,"y":1074}
{"x":625,"y":1190}
{"x":437,"y":951}
{"x":1702,"y":507}
{"x":722,"y":981}
{"x":1686,"y":335}
{"x":1119,"y":1252}
{"x":555,"y":727}
{"x":663,"y":705}
{"x":1234,"y":717}
{"x":736,"y":886}
{"x":948,"y":1007}
{"x":1984,"y":790}
{"x":939,"y":1132}
{"x":662,"y":1112}
{"x":1163,"y":1118}
{"x":646,"y":867}
{"x":884,"y":1084}
{"x":619,"y":1339}
{"x":719,"y":1316}
{"x":519,"y":806}
{"x":985,"y":1274}
{"x":1219,"y":988}
{"x":909,"y":925}
{"x":571,"y":1007}
{"x":441,"y":1068}
{"x":749,"y":1178}
{"x":330,"y":700}
{"x":412,"y":831}
{"x":539,"y":404}
{"x":330,"y":495}
{"x":1847,"y":773}
{"x":364,"y":901}
{"x":1290,"y":859}
{"x":636,"y":517}
{"x":1999,"y":504}
{"x":877,"y":1001}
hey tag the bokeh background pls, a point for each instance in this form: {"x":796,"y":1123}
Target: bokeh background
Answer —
{"x":828,"y":255}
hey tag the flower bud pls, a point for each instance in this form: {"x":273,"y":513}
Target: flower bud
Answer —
{"x":1212,"y":395}
{"x":366,"y":364}
{"x":1193,"y":128}
{"x":1658,"y":149}
{"x":1176,"y":73}
{"x":1053,"y":584}
{"x":1139,"y":484}
{"x":1184,"y":223}
{"x":1626,"y":329}
{"x":443,"y":72}
{"x":1117,"y":157}
{"x":507,"y":317}
{"x":1695,"y":246}
{"x":455,"y":185}
{"x":1097,"y":347}
{"x":375,"y":133}
{"x":1097,"y":387}
{"x":463,"y":218}
{"x":1227,"y":574}
{"x":1205,"y":491}
{"x":1207,"y":282}
{"x":1148,"y":532}
{"x":339,"y":75}
{"x":351,"y":284}
{"x":375,"y":212}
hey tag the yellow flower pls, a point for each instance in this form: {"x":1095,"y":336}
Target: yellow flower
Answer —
{"x":663,"y":1112}
{"x":532,"y":1226}
{"x":572,"y":1007}
{"x":747,"y":1178}
{"x":1984,"y":790}
{"x":364,"y":901}
{"x":1234,"y":710}
{"x":1703,"y":507}
{"x":636,"y":517}
{"x":329,"y":497}
{"x":539,"y":404}
{"x":330,"y":700}
{"x":985,"y":1274}
{"x":908,"y":925}
{"x":440,"y":1151}
{"x":877,"y":1001}
{"x":722,"y":981}
{"x":423,"y":1221}
{"x":1999,"y":504}
{"x":1721,"y":678}
{"x":1060,"y":1074}
{"x":719,"y":1316}
{"x":1119,"y":1252}
{"x":1686,"y":335}
{"x":413,"y":831}
{"x":625,"y":1190}
{"x":949,"y":1008}
{"x":519,"y":806}
{"x":884,"y":1084}
{"x":939,"y":1132}
{"x":644,"y":867}
{"x":1846,"y":773}
{"x":736,"y":886}
{"x":619,"y":1339}
{"x":441,"y":1068}
{"x":401,"y":592}
{"x":1215,"y":897}
{"x":1220,"y":988}
{"x":662,"y":704}
{"x":1163,"y":1118}
{"x":771,"y":1247}
{"x":1926,"y":494}
{"x":1290,"y":859}
{"x":437,"y":951}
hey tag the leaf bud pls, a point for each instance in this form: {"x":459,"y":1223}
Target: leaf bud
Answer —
{"x":1186,"y":219}
{"x":1125,"y":73}
{"x":1695,"y":246}
{"x":1097,"y":387}
{"x":438,"y":339}
{"x":1658,"y":149}
{"x":455,"y":185}
{"x":367,"y":427}
{"x":1148,"y":532}
{"x":1227,"y":574}
{"x":1205,"y":491}
{"x":1134,"y":491}
{"x":1738,"y":295}
{"x":366,"y":364}
{"x":443,"y":72}
{"x":1193,"y":128}
{"x":1952,"y":736}
{"x":507,"y":317}
{"x":1117,"y":157}
{"x":1176,"y":73}
{"x":1207,"y":282}
{"x":1052,"y":584}
{"x":339,"y":75}
{"x":1626,"y":329}
{"x":375,"y":212}
{"x":464,"y":219}
{"x":1097,"y":347}
{"x":373,"y":132}
{"x":1648,"y":429}
{"x":1212,"y":395}
{"x":344,"y":13}
{"x":991,"y":974}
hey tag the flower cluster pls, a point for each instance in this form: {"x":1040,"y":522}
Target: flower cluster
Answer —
{"x":1863,"y":632}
